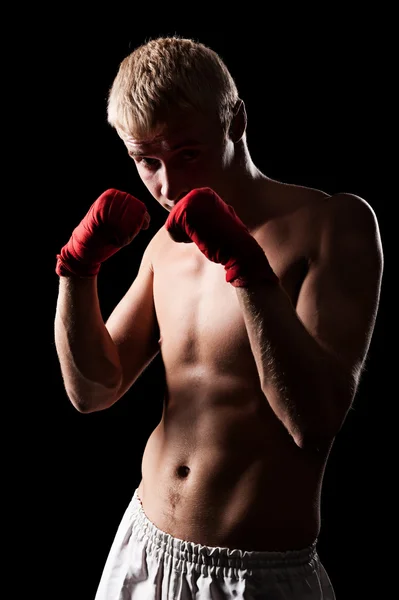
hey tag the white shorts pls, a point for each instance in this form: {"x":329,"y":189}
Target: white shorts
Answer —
{"x":144,"y":563}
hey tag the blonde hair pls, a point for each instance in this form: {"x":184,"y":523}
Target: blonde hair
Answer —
{"x":166,"y":74}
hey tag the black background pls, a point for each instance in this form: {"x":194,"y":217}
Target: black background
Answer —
{"x":319,"y":109}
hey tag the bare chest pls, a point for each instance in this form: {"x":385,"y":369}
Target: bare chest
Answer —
{"x":198,"y":312}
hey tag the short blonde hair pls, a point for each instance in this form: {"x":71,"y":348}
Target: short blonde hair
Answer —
{"x":166,"y":74}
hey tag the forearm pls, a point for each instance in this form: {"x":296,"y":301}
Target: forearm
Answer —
{"x":301,"y":380}
{"x":88,"y":357}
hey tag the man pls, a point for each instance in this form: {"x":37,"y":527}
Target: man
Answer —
{"x":262,"y":299}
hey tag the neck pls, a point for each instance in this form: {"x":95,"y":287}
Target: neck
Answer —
{"x":246,"y":187}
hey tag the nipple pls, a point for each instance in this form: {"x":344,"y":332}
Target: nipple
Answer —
{"x":183,"y":471}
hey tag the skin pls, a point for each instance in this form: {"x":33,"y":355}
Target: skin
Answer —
{"x":259,"y":379}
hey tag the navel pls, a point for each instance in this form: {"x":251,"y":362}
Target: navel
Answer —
{"x":183,"y":471}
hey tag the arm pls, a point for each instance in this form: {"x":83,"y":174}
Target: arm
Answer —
{"x":310,"y":357}
{"x":88,"y":358}
{"x":98,"y":361}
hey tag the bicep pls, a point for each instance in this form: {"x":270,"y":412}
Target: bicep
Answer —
{"x":133,"y":325}
{"x":339,"y":298}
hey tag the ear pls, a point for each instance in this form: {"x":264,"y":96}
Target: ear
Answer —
{"x":238,"y":123}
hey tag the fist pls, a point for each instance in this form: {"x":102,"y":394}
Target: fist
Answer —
{"x":112,"y":222}
{"x":204,"y":218}
{"x":115,"y":217}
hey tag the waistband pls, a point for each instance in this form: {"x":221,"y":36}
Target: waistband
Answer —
{"x":197,"y":555}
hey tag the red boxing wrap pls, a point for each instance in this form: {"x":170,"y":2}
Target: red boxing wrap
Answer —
{"x":204,"y":218}
{"x":112,"y":222}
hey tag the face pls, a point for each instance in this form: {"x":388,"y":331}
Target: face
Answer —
{"x":189,"y":152}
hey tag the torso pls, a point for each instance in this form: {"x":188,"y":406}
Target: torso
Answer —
{"x":220,"y":469}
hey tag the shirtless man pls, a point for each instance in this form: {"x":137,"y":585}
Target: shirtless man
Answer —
{"x":261,"y":297}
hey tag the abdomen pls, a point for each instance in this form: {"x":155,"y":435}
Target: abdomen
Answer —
{"x":221,"y":470}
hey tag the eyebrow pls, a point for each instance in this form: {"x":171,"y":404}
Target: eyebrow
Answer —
{"x":183,"y":144}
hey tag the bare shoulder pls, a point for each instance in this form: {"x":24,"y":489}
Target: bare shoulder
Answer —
{"x":156,"y":246}
{"x":352,"y":219}
{"x":330,"y":229}
{"x":347,"y":204}
{"x":343,"y":215}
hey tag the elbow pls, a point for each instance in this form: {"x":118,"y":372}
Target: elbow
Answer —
{"x":93,"y":398}
{"x":314,"y":440}
{"x":319,"y":429}
{"x":80,"y":407}
{"x":83,"y":405}
{"x":91,"y":404}
{"x":315,"y":434}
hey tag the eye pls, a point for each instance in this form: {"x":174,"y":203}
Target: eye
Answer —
{"x":189,"y":155}
{"x":149,"y":163}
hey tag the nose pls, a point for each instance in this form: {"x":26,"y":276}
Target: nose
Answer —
{"x":173,"y":186}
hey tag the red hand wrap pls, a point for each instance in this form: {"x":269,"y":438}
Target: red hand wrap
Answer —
{"x":112,"y":222}
{"x":204,"y":218}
